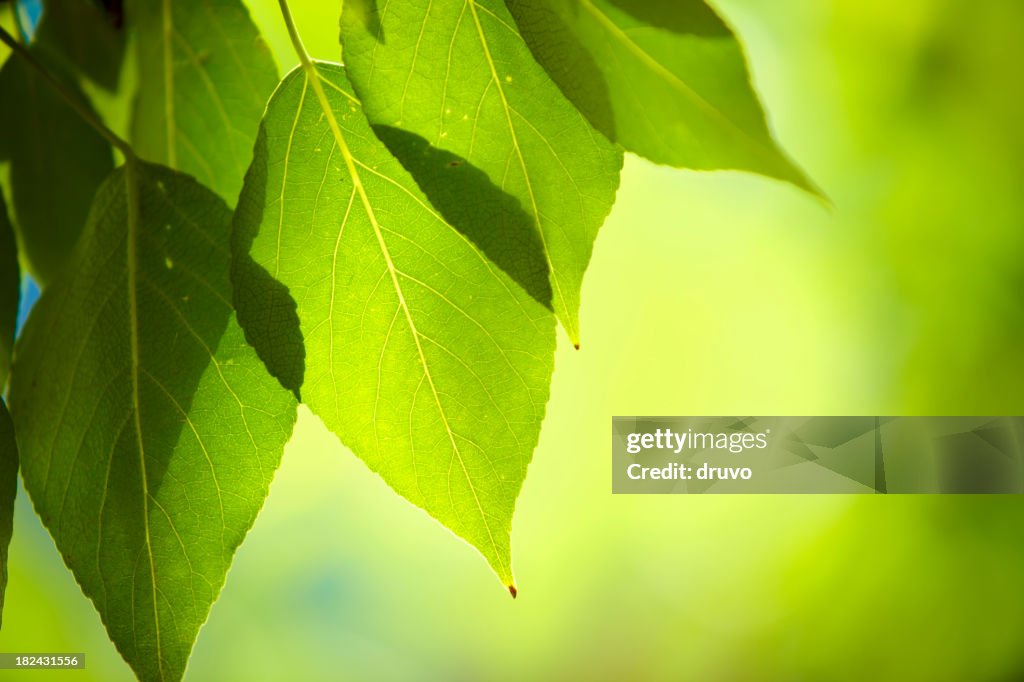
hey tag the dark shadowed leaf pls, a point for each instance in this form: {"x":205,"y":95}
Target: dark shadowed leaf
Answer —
{"x":56,"y":164}
{"x":83,"y":38}
{"x":149,"y":430}
{"x":10,"y":285}
{"x":8,"y":490}
{"x":204,"y":75}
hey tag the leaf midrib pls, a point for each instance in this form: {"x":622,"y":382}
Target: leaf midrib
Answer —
{"x":313,"y":76}
{"x":170,"y":35}
{"x":133,"y":207}
{"x":571,"y":328}
{"x":673,"y":80}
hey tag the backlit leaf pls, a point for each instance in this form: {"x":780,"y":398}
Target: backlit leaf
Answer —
{"x":427,"y":361}
{"x":455,"y":93}
{"x":149,"y":430}
{"x":667,"y":79}
{"x":204,"y":75}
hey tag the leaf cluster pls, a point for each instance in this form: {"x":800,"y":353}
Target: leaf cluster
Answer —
{"x":391,"y":240}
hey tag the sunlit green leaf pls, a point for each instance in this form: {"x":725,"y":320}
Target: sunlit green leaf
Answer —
{"x":149,"y":431}
{"x":667,"y":80}
{"x":426,"y":360}
{"x":56,"y":164}
{"x":455,"y":93}
{"x":204,"y":77}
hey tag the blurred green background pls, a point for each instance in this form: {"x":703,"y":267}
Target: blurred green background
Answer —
{"x":708,"y":294}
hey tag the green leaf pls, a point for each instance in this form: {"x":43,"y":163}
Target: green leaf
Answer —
{"x":83,"y":38}
{"x":427,"y":361}
{"x":667,"y":80}
{"x":149,"y":430}
{"x":8,"y":490}
{"x":10,"y":286}
{"x":204,"y":77}
{"x":56,"y":164}
{"x":504,"y":156}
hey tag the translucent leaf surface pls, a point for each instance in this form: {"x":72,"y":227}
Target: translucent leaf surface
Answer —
{"x":204,"y":76}
{"x":149,"y":430}
{"x":667,"y":80}
{"x":426,"y":360}
{"x":455,"y":93}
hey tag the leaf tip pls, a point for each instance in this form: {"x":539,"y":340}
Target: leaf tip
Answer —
{"x":576,"y":345}
{"x":803,"y":181}
{"x":826,"y":201}
{"x":512,"y":590}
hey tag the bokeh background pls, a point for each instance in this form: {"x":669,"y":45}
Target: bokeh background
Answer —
{"x":708,"y":294}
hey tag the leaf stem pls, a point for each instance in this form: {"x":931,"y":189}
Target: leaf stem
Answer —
{"x":293,"y":33}
{"x":70,"y":98}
